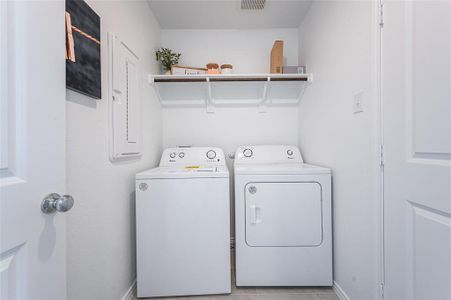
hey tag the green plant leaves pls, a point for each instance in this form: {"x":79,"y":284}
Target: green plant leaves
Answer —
{"x":167,"y":58}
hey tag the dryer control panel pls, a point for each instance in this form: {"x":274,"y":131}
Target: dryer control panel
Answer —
{"x":268,"y":154}
{"x":192,"y":156}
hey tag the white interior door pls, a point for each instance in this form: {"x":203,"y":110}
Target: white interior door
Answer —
{"x":32,"y":165}
{"x":416,"y":66}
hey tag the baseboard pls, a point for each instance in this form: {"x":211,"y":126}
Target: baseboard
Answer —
{"x":340,"y":292}
{"x":129,"y":295}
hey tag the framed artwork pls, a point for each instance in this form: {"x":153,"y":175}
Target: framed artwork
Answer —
{"x":83,"y":73}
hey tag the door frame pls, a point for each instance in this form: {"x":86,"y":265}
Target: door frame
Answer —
{"x":379,"y":138}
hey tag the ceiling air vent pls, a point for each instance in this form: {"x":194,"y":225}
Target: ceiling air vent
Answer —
{"x":253,"y":4}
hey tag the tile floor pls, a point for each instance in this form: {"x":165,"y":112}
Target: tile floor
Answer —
{"x":268,"y":294}
{"x":263,"y":293}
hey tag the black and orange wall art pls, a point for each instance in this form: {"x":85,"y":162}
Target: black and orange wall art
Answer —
{"x":83,"y":62}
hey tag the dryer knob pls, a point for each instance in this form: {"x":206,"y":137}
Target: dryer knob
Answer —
{"x":211,"y":154}
{"x":247,"y":152}
{"x":290,"y":152}
{"x":172,"y":155}
{"x":182,"y":154}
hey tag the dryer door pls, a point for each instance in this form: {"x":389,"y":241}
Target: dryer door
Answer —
{"x":283,"y":214}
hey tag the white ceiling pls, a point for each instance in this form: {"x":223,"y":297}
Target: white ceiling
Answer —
{"x":226,"y":14}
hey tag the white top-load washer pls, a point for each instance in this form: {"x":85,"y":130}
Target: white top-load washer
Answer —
{"x":183,"y":224}
{"x":282,"y":218}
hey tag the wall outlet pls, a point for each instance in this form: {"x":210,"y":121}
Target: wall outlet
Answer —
{"x":358,"y":103}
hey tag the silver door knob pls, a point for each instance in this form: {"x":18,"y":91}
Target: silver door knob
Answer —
{"x":54,"y":202}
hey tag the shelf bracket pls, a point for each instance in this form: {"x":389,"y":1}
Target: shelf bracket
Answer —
{"x":157,"y":92}
{"x":150,"y":79}
{"x":209,"y":104}
{"x":301,"y":93}
{"x":264,"y":99}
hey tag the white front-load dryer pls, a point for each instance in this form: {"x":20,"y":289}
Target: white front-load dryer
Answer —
{"x":282,"y":219}
{"x":183,"y":225}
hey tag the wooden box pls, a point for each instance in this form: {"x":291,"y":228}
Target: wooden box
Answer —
{"x":277,"y":57}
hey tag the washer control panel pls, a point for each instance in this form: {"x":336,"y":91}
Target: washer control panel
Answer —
{"x":192,"y":156}
{"x":267,"y":154}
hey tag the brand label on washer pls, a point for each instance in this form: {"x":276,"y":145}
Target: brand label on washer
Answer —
{"x":252,"y":189}
{"x":143,"y":186}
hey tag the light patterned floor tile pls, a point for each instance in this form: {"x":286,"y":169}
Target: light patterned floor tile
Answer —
{"x":265,"y":294}
{"x":294,"y":290}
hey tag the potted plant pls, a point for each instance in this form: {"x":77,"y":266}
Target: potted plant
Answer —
{"x":167,"y":58}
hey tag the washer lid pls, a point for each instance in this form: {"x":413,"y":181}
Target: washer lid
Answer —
{"x":185,"y":172}
{"x":280,"y":169}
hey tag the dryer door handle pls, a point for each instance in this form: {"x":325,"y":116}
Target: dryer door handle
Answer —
{"x":255,"y":214}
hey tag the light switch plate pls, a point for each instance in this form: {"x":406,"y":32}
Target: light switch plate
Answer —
{"x":358,"y":103}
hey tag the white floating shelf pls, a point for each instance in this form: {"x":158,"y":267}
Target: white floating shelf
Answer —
{"x":210,"y":91}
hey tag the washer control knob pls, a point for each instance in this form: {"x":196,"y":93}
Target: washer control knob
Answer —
{"x":182,"y":154}
{"x":247,"y":152}
{"x":172,"y":155}
{"x":211,"y":154}
{"x":290,"y":152}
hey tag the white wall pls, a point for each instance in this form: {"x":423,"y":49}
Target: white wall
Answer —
{"x":247,"y":50}
{"x":229,"y":128}
{"x":337,"y":46}
{"x":101,"y":226}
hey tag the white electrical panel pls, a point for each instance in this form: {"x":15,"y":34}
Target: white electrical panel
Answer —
{"x":124,"y":100}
